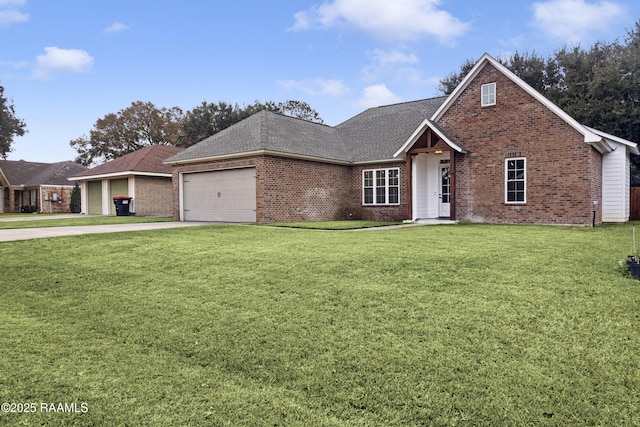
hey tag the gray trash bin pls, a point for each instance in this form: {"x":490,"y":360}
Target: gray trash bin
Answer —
{"x":122,"y":205}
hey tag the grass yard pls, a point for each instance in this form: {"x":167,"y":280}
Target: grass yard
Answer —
{"x":334,"y":225}
{"x":249,"y":326}
{"x":52,"y":221}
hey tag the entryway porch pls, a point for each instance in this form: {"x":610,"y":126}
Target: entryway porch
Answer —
{"x":431,"y":171}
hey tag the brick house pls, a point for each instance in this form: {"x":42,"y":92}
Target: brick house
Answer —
{"x":141,"y":175}
{"x":495,"y":151}
{"x":43,"y":187}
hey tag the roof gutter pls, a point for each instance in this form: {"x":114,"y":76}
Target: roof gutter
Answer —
{"x":257,"y":153}
{"x":116,"y":174}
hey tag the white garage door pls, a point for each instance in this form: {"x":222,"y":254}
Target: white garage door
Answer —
{"x":228,"y":195}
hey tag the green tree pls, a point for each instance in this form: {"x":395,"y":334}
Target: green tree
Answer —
{"x":208,"y":118}
{"x":448,"y":84}
{"x":299,"y":109}
{"x":10,"y":125}
{"x":75,"y":202}
{"x":140,"y":125}
{"x":539,"y":73}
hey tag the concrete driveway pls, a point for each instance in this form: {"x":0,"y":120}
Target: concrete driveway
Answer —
{"x":43,"y":232}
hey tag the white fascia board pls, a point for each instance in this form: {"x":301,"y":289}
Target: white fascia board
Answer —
{"x":212,"y":158}
{"x":589,"y":136}
{"x":633,"y":147}
{"x":259,"y":153}
{"x":426,"y":124}
{"x":375,"y":162}
{"x":118,"y":174}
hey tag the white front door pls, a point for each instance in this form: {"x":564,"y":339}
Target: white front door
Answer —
{"x":444,"y":209}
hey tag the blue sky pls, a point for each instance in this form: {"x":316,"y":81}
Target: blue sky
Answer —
{"x":66,"y":64}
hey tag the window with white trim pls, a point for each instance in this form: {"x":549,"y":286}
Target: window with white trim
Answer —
{"x":381,"y":186}
{"x":488,"y":94}
{"x":515,"y":174}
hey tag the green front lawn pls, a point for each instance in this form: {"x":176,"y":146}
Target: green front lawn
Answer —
{"x":333,"y":225}
{"x":250,"y":326}
{"x":52,"y":221}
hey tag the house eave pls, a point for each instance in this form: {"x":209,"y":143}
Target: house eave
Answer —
{"x":602,"y":146}
{"x":259,"y":153}
{"x":118,"y":174}
{"x":631,"y":146}
{"x":374,"y":162}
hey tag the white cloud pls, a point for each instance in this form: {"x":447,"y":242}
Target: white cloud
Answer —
{"x":377,"y":95}
{"x":395,"y":20}
{"x":9,"y":13}
{"x":15,"y":64}
{"x":317,"y":86}
{"x":387,"y":62}
{"x":573,"y":20}
{"x":56,"y":59}
{"x":116,"y":27}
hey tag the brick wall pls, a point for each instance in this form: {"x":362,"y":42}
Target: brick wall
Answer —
{"x":60,"y":206}
{"x":153,"y":196}
{"x":300,"y":190}
{"x":563,"y":172}
{"x":388,"y":212}
{"x":289,"y":190}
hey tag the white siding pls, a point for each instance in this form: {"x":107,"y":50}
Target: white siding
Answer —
{"x":615,"y":184}
{"x":419,"y":186}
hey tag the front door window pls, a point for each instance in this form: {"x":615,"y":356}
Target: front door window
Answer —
{"x":445,"y":191}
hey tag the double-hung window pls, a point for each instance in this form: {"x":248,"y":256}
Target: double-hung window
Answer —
{"x":515,"y":171}
{"x":381,"y":186}
{"x":488,"y":95}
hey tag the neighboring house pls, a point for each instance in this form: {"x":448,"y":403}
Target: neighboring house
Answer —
{"x":41,"y":187}
{"x":141,"y":175}
{"x":494,"y":151}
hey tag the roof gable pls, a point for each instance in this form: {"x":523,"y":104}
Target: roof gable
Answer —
{"x":487,"y":60}
{"x":428,"y":124}
{"x":146,"y":161}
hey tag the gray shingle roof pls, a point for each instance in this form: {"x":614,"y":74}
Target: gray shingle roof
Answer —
{"x":30,"y":174}
{"x":375,"y":134}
